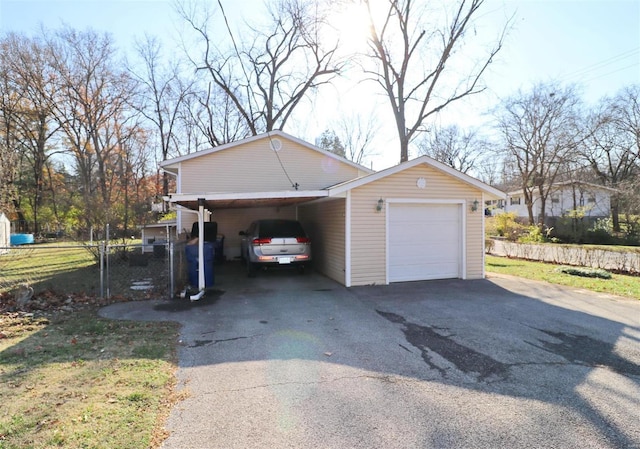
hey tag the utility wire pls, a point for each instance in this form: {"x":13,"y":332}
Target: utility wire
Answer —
{"x":235,"y":47}
{"x":611,"y":73}
{"x":602,"y":64}
{"x":295,"y":185}
{"x":250,"y":94}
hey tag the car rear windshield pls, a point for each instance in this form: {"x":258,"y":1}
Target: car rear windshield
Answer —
{"x":281,"y":228}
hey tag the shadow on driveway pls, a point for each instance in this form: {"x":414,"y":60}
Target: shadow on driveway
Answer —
{"x":299,"y":361}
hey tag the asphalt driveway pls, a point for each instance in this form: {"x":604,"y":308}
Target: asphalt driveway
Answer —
{"x":292,"y":361}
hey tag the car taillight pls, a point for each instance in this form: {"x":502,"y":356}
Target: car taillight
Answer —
{"x":303,"y":239}
{"x":260,"y":241}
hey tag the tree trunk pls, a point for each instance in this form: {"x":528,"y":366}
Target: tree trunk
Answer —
{"x":615,"y":212}
{"x":404,"y":149}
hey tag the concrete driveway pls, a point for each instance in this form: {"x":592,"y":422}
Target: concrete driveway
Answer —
{"x":288,"y":361}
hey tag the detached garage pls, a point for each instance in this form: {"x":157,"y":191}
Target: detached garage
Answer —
{"x":419,"y":220}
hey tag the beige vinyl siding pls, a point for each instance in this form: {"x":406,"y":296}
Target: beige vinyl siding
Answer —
{"x":254,"y":167}
{"x":475,"y":239}
{"x":368,"y":227}
{"x":325,"y":223}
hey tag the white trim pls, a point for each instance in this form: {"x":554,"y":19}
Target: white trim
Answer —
{"x":484,"y":249}
{"x":178,"y":190}
{"x":463,"y":236}
{"x":462,"y":255}
{"x":347,"y":241}
{"x":386,"y":238}
{"x":212,"y":196}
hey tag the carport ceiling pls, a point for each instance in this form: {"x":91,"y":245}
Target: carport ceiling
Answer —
{"x":240,"y":203}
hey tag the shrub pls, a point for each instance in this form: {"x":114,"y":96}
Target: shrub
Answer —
{"x":489,"y":244}
{"x":505,"y":225}
{"x":535,"y":235}
{"x":585,"y":272}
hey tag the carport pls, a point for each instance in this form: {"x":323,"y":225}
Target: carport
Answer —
{"x":205,"y":204}
{"x":415,"y":221}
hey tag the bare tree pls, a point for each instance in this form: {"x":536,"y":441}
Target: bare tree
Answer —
{"x":213,"y":113}
{"x":415,"y":61}
{"x":268,"y":78}
{"x":454,"y":147}
{"x":540,"y":135}
{"x":162,"y":95}
{"x":357,"y":133}
{"x":612,"y":145}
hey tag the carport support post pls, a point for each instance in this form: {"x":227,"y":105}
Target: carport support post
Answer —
{"x":201,"y":284}
{"x":201,"y":244}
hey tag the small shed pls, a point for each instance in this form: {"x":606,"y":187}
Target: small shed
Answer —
{"x":5,"y":233}
{"x":157,"y":233}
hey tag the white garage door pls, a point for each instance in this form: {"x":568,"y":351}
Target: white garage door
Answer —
{"x":424,"y":241}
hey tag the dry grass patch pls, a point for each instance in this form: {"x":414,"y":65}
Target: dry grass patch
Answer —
{"x":80,"y":381}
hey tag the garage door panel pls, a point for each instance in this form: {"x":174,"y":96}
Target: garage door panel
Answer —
{"x":424,"y":241}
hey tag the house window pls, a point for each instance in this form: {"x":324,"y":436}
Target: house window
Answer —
{"x":555,"y":199}
{"x":514,"y":200}
{"x":591,"y":199}
{"x":500,"y":204}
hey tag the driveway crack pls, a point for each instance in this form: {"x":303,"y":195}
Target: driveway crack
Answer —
{"x":199,"y":343}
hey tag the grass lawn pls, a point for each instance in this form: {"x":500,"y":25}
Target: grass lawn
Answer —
{"x":49,"y":266}
{"x":80,"y":381}
{"x":619,"y":284}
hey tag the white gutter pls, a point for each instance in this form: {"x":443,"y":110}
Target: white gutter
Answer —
{"x":213,"y":196}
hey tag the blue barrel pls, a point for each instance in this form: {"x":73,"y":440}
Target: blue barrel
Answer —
{"x":21,"y":239}
{"x":192,"y":264}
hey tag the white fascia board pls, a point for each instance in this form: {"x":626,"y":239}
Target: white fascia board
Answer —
{"x":175,"y":197}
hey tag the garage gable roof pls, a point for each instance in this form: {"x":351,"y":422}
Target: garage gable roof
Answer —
{"x":426,"y":160}
{"x":173,"y":164}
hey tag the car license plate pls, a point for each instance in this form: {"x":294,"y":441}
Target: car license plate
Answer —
{"x":284,"y":260}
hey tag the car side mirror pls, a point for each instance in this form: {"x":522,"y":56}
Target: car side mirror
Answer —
{"x":242,"y":233}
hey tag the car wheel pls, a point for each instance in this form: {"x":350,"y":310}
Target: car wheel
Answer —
{"x":301,"y":269}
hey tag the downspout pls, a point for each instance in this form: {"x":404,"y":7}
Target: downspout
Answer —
{"x":201,"y":283}
{"x":201,"y":278}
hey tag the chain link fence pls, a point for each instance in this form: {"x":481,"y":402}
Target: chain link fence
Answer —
{"x":104,"y":270}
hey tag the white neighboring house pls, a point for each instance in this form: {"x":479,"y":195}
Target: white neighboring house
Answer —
{"x":593,"y":199}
